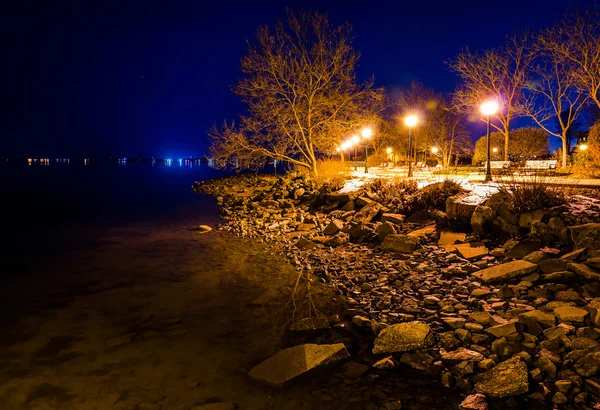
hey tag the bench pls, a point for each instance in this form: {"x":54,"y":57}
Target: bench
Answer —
{"x":495,"y":165}
{"x":548,"y":165}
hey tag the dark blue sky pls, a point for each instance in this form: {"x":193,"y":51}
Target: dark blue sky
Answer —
{"x":147,"y":78}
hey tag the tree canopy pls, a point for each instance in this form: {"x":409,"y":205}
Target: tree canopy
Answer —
{"x":525,"y":143}
{"x":302,"y":96}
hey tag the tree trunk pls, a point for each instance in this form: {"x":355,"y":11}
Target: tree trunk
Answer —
{"x":506,"y":136}
{"x":564,"y":150}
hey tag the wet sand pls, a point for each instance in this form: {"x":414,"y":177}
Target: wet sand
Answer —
{"x":145,"y":317}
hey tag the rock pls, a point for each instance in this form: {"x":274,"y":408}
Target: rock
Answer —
{"x":290,"y":363}
{"x":545,"y":364}
{"x":459,"y":208}
{"x":397,"y":219}
{"x":203,"y":229}
{"x":563,"y":386}
{"x":593,"y":387}
{"x":403,"y":337}
{"x":471,"y":251}
{"x":384,"y":230}
{"x":310,"y":324}
{"x":527,"y":218}
{"x":304,"y":243}
{"x":505,"y":292}
{"x":354,"y":370}
{"x":215,"y":406}
{"x":362,"y":322}
{"x":588,"y":365}
{"x":428,"y":230}
{"x":482,"y":218}
{"x":454,"y":322}
{"x":560,"y":277}
{"x":400,"y":243}
{"x":573,"y":234}
{"x":574,"y":255}
{"x":570,"y":314}
{"x":509,"y":378}
{"x":582,"y":269}
{"x":385,"y":363}
{"x":474,"y":402}
{"x":481,"y":317}
{"x":334,"y":227}
{"x":594,"y":306}
{"x":450,"y":238}
{"x":545,"y":319}
{"x":553,"y":265}
{"x":559,"y":398}
{"x":536,"y":257}
{"x":502,"y":330}
{"x":524,"y":248}
{"x":420,"y":361}
{"x":367,"y":212}
{"x":460,"y":355}
{"x":505,"y":271}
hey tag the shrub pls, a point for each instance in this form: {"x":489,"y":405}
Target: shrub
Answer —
{"x":435,"y":195}
{"x":533,"y":194}
{"x":391,"y":191}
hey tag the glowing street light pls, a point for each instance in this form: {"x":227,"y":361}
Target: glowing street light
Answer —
{"x":488,"y":109}
{"x":410,"y":121}
{"x":434,"y":150}
{"x":583,"y":147}
{"x":388,"y":150}
{"x":495,"y":150}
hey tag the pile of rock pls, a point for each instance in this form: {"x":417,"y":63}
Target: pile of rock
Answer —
{"x":510,"y":311}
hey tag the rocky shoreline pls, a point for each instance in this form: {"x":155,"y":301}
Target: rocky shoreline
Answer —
{"x":501,"y":306}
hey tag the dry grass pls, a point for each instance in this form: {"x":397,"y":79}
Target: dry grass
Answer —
{"x":332,"y":173}
{"x":534,"y":192}
{"x":391,"y":191}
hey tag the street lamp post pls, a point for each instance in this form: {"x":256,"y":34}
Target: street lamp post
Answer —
{"x":488,"y":109}
{"x":366,"y":134}
{"x":410,"y":122}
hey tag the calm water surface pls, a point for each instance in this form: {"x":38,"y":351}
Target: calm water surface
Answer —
{"x":48,"y":209}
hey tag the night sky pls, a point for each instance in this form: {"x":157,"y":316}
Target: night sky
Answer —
{"x":147,"y":78}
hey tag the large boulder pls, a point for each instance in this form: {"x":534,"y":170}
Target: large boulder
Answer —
{"x":482,"y":219}
{"x":400,"y":243}
{"x":573,"y":234}
{"x":460,"y":208}
{"x":290,"y":363}
{"x":527,"y":218}
{"x":588,"y":365}
{"x":403,"y":337}
{"x":505,"y":271}
{"x":506,"y":379}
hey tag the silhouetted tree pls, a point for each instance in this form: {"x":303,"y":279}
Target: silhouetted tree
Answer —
{"x":499,"y":74}
{"x":300,"y":88}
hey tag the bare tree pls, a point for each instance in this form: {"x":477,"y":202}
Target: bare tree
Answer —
{"x":418,"y":100}
{"x":446,"y":126}
{"x":554,"y":97}
{"x":577,"y":39}
{"x":499,"y":74}
{"x":301,"y":92}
